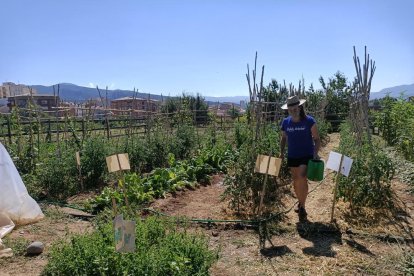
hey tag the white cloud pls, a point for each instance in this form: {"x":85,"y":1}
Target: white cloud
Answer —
{"x":91,"y":85}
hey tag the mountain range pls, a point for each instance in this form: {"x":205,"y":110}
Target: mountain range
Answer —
{"x":395,"y":92}
{"x":75,"y":93}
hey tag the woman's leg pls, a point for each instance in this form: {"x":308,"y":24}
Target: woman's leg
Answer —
{"x":300,"y":183}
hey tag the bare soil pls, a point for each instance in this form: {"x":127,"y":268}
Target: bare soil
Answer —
{"x":56,"y":225}
{"x":368,"y":243}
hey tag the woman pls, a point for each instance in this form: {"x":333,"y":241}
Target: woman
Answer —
{"x":301,"y":134}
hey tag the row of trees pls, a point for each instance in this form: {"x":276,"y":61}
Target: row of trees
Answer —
{"x":330,"y":102}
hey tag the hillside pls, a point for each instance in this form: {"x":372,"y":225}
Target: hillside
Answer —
{"x":394,"y":91}
{"x":75,"y":93}
{"x":72,"y":92}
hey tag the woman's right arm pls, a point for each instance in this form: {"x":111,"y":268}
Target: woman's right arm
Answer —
{"x":283,"y":139}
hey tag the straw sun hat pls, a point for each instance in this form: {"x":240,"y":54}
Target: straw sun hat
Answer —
{"x":291,"y":101}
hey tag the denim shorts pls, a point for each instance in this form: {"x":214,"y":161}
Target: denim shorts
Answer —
{"x":296,"y":162}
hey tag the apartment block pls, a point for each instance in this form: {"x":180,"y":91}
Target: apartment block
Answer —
{"x":10,"y":89}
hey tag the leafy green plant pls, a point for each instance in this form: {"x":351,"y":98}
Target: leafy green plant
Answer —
{"x":396,"y":124}
{"x":161,"y":249}
{"x":93,"y":161}
{"x":57,"y":174}
{"x":180,"y":174}
{"x":243,"y":186}
{"x":324,"y":127}
{"x":183,"y":142}
{"x":369,"y":182}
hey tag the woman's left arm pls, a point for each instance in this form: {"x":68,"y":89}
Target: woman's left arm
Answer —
{"x":315,"y":136}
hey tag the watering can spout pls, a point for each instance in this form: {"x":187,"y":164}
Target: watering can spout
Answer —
{"x":315,"y":170}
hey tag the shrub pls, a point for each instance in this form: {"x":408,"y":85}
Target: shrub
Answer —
{"x":184,"y":141}
{"x":396,"y":124}
{"x":161,"y":249}
{"x":369,"y":182}
{"x":243,"y":186}
{"x":58,"y":174}
{"x":93,"y":162}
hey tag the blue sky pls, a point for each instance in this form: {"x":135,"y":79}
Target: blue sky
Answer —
{"x":202,"y":46}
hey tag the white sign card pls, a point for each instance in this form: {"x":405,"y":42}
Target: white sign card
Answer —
{"x":334,"y":161}
{"x":346,"y":165}
{"x":274,"y":165}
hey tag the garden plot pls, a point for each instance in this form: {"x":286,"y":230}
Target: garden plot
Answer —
{"x":350,"y":246}
{"x":376,"y":246}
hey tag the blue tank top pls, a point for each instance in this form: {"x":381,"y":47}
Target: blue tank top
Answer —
{"x":299,"y":136}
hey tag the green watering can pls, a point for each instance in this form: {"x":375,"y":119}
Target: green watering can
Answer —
{"x":315,"y":170}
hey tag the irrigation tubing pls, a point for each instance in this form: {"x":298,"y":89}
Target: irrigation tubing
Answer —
{"x":200,"y":220}
{"x":389,"y":238}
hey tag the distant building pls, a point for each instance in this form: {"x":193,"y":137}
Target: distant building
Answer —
{"x":43,"y":102}
{"x":135,"y":104}
{"x":243,"y":104}
{"x":225,"y":109}
{"x":226,"y":106}
{"x":9,"y":89}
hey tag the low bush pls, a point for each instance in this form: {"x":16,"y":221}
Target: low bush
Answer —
{"x":243,"y":186}
{"x":369,"y":182}
{"x":161,"y":249}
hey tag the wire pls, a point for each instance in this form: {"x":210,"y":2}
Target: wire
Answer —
{"x":200,"y":220}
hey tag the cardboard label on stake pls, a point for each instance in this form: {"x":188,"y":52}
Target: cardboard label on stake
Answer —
{"x":129,"y":236}
{"x":346,"y":165}
{"x":274,"y":165}
{"x":118,"y":162}
{"x":119,"y":232}
{"x":124,"y":233}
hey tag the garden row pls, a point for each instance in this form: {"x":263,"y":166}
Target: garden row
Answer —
{"x":395,"y":122}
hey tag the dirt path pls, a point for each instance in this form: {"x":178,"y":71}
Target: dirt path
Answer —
{"x":204,"y":202}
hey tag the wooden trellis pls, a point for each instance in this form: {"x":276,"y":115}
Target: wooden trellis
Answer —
{"x":360,"y":97}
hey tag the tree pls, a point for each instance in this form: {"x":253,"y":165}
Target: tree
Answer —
{"x":337,"y":93}
{"x":275,"y":95}
{"x":195,"y":107}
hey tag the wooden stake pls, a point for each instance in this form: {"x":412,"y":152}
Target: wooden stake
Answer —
{"x":336,"y":185}
{"x":78,"y":164}
{"x":122,"y":178}
{"x":264,"y":187}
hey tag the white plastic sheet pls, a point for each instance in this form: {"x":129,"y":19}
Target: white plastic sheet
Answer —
{"x":6,"y":226}
{"x":15,"y":202}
